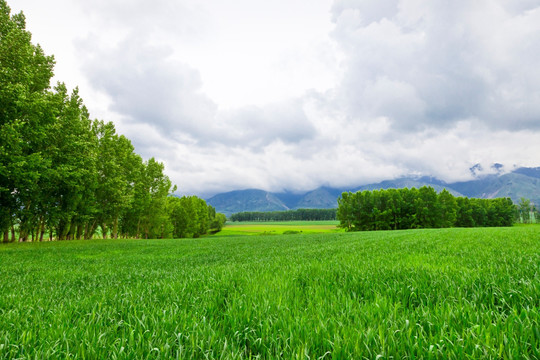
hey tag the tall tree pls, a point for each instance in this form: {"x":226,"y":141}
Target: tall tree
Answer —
{"x":448,"y":208}
{"x":25,"y":73}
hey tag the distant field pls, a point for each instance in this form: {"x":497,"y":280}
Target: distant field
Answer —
{"x":279,"y":227}
{"x":445,"y":293}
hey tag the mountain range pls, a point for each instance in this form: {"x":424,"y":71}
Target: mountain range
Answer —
{"x":522,"y":182}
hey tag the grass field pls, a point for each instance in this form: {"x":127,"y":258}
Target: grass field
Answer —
{"x":280,"y":228}
{"x":448,"y":293}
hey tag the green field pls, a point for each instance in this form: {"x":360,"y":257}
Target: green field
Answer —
{"x":446,"y":293}
{"x":279,"y":228}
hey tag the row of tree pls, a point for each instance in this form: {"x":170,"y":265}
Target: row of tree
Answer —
{"x":65,"y":176}
{"x":527,"y":212}
{"x":288,"y":215}
{"x":420,"y":208}
{"x":190,"y":216}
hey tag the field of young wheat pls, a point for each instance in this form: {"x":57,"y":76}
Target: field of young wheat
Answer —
{"x":446,"y":293}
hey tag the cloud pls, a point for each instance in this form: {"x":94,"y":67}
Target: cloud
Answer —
{"x":159,"y":17}
{"x":434,"y":64}
{"x":147,"y":86}
{"x":422,"y":88}
{"x":257,"y":126}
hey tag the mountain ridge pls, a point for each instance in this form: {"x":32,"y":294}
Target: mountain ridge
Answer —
{"x":522,"y":182}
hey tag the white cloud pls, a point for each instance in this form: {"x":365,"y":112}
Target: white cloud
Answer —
{"x":457,"y":61}
{"x":296,"y":94}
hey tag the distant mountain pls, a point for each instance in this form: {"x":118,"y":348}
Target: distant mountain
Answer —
{"x":514,"y":185}
{"x":410,"y":182}
{"x":246,"y":200}
{"x":522,"y":182}
{"x":532,"y":172}
{"x":321,"y":198}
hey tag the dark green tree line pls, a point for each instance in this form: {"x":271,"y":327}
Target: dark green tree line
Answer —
{"x":63,"y":175}
{"x":394,"y":209}
{"x":192,"y":217}
{"x":288,"y":215}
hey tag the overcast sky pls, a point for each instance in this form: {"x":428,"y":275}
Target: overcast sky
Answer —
{"x":295,"y":94}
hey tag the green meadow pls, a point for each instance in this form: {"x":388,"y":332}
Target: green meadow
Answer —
{"x":280,"y":228}
{"x":415,"y":294}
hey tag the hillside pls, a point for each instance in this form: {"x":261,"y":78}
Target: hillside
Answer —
{"x":246,"y":200}
{"x":522,"y":182}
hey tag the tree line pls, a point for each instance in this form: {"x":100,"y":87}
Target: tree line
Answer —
{"x":527,"y":212}
{"x":66,"y":176}
{"x":394,"y":209}
{"x":287,"y":215}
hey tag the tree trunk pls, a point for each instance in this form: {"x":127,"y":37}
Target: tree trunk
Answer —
{"x":104,"y":231}
{"x":6,"y":236}
{"x":72,"y":229}
{"x":93,"y":229}
{"x":60,"y":231}
{"x":79,"y":231}
{"x":115,"y":227}
{"x":42,"y":232}
{"x":23,"y":236}
{"x":13,"y":233}
{"x":86,"y":230}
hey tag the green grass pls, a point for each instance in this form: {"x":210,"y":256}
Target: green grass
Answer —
{"x":279,"y":227}
{"x":446,"y":293}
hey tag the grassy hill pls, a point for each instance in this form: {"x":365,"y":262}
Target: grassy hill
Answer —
{"x":449,"y":293}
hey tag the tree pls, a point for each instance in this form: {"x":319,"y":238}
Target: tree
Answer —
{"x":25,"y":73}
{"x":344,"y":212}
{"x":524,"y":209}
{"x":153,"y":188}
{"x":448,"y":208}
{"x":419,"y":208}
{"x":116,"y":163}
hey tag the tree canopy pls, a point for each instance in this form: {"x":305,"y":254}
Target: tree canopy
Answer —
{"x":394,"y":209}
{"x":64,"y":175}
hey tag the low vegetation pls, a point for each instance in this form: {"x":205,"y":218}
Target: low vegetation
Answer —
{"x":437,"y":293}
{"x":280,"y":227}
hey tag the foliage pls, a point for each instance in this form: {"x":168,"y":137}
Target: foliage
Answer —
{"x":191,"y":217}
{"x":289,"y":215}
{"x":63,"y":175}
{"x":395,"y":209}
{"x":440,"y":294}
{"x":527,"y":212}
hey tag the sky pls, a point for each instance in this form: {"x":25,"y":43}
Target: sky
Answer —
{"x":296,"y":94}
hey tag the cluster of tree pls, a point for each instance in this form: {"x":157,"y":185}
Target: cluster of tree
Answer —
{"x":190,"y":216}
{"x":527,"y":213}
{"x":420,"y":208}
{"x":65,"y":176}
{"x":288,"y":215}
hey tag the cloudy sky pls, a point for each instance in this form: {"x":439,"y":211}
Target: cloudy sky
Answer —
{"x":295,"y":94}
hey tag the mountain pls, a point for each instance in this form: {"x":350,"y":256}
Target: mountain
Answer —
{"x":321,"y":198}
{"x":514,"y":185}
{"x":532,"y":172}
{"x":522,"y":182}
{"x":246,"y":200}
{"x":410,"y":182}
